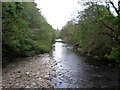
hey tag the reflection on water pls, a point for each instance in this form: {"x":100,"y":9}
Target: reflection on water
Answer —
{"x":74,"y":71}
{"x":58,"y":40}
{"x":58,"y":51}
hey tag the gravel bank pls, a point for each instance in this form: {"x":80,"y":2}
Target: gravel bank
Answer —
{"x":31,"y":72}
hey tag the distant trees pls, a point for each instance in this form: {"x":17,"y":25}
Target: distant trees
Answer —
{"x":25,"y":31}
{"x":96,"y":31}
{"x":57,"y":34}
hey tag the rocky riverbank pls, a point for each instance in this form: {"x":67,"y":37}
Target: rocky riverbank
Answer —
{"x":64,"y":68}
{"x":31,"y":72}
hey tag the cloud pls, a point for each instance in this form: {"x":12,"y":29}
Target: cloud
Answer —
{"x":58,"y":12}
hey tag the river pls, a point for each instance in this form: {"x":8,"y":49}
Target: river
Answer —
{"x":76,"y":71}
{"x":63,"y":68}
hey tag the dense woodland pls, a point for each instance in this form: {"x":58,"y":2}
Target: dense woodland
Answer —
{"x":25,"y":31}
{"x":96,"y":32}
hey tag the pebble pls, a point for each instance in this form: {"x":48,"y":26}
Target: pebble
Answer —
{"x":38,"y":56}
{"x":96,"y":67}
{"x":53,"y":75}
{"x":19,"y":71}
{"x":17,"y":84}
{"x":60,"y":82}
{"x":13,"y":65}
{"x":38,"y":73}
{"x":13,"y":75}
{"x":34,"y":74}
{"x":55,"y":84}
{"x":27,"y":87}
{"x":19,"y":76}
{"x":47,"y":77}
{"x":60,"y":74}
{"x":37,"y":76}
{"x":27,"y":73}
{"x":51,"y":86}
{"x":60,"y":65}
{"x":53,"y":70}
{"x":99,"y":75}
{"x":33,"y":84}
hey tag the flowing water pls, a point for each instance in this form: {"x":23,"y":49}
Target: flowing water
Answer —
{"x":75,"y":71}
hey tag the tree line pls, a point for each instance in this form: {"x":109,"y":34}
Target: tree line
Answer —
{"x":96,"y":32}
{"x":25,"y":31}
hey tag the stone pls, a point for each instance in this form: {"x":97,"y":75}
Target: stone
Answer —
{"x":27,"y":87}
{"x":13,"y":65}
{"x":99,"y":75}
{"x":48,"y":82}
{"x":55,"y":84}
{"x":18,"y":71}
{"x":13,"y":75}
{"x":53,"y":70}
{"x":50,"y":86}
{"x":37,"y":76}
{"x":60,"y":81}
{"x":18,"y":76}
{"x":27,"y":73}
{"x":33,"y":84}
{"x":38,"y":56}
{"x":60,"y":74}
{"x":34,"y":74}
{"x":47,"y":77}
{"x":17,"y":84}
{"x":38,"y":73}
{"x":96,"y":67}
{"x":60,"y":65}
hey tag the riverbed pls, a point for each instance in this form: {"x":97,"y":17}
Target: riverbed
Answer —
{"x":76,"y":71}
{"x":62,"y":68}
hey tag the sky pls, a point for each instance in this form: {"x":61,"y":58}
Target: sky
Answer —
{"x":59,"y":12}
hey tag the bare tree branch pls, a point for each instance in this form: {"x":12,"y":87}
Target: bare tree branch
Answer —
{"x":107,"y":34}
{"x":113,"y":37}
{"x":117,"y":11}
{"x":108,"y":27}
{"x":108,"y":7}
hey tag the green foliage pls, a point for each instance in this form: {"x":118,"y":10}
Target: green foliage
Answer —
{"x":114,"y":55}
{"x":57,"y":34}
{"x":25,"y":31}
{"x":95,"y":33}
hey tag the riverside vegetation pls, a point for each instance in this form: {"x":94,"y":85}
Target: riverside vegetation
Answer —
{"x":96,"y":32}
{"x":25,"y":31}
{"x":27,"y":37}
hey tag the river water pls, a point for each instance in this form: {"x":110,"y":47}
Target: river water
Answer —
{"x":75,"y":71}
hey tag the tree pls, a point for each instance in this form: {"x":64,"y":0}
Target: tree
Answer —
{"x":96,"y":31}
{"x":25,"y":31}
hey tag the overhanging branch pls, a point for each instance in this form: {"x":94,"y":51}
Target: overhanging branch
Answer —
{"x":107,"y":34}
{"x":108,"y":27}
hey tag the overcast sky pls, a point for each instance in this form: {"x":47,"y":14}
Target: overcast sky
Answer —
{"x":59,"y":12}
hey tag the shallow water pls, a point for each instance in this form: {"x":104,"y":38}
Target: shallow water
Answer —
{"x":75,"y":71}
